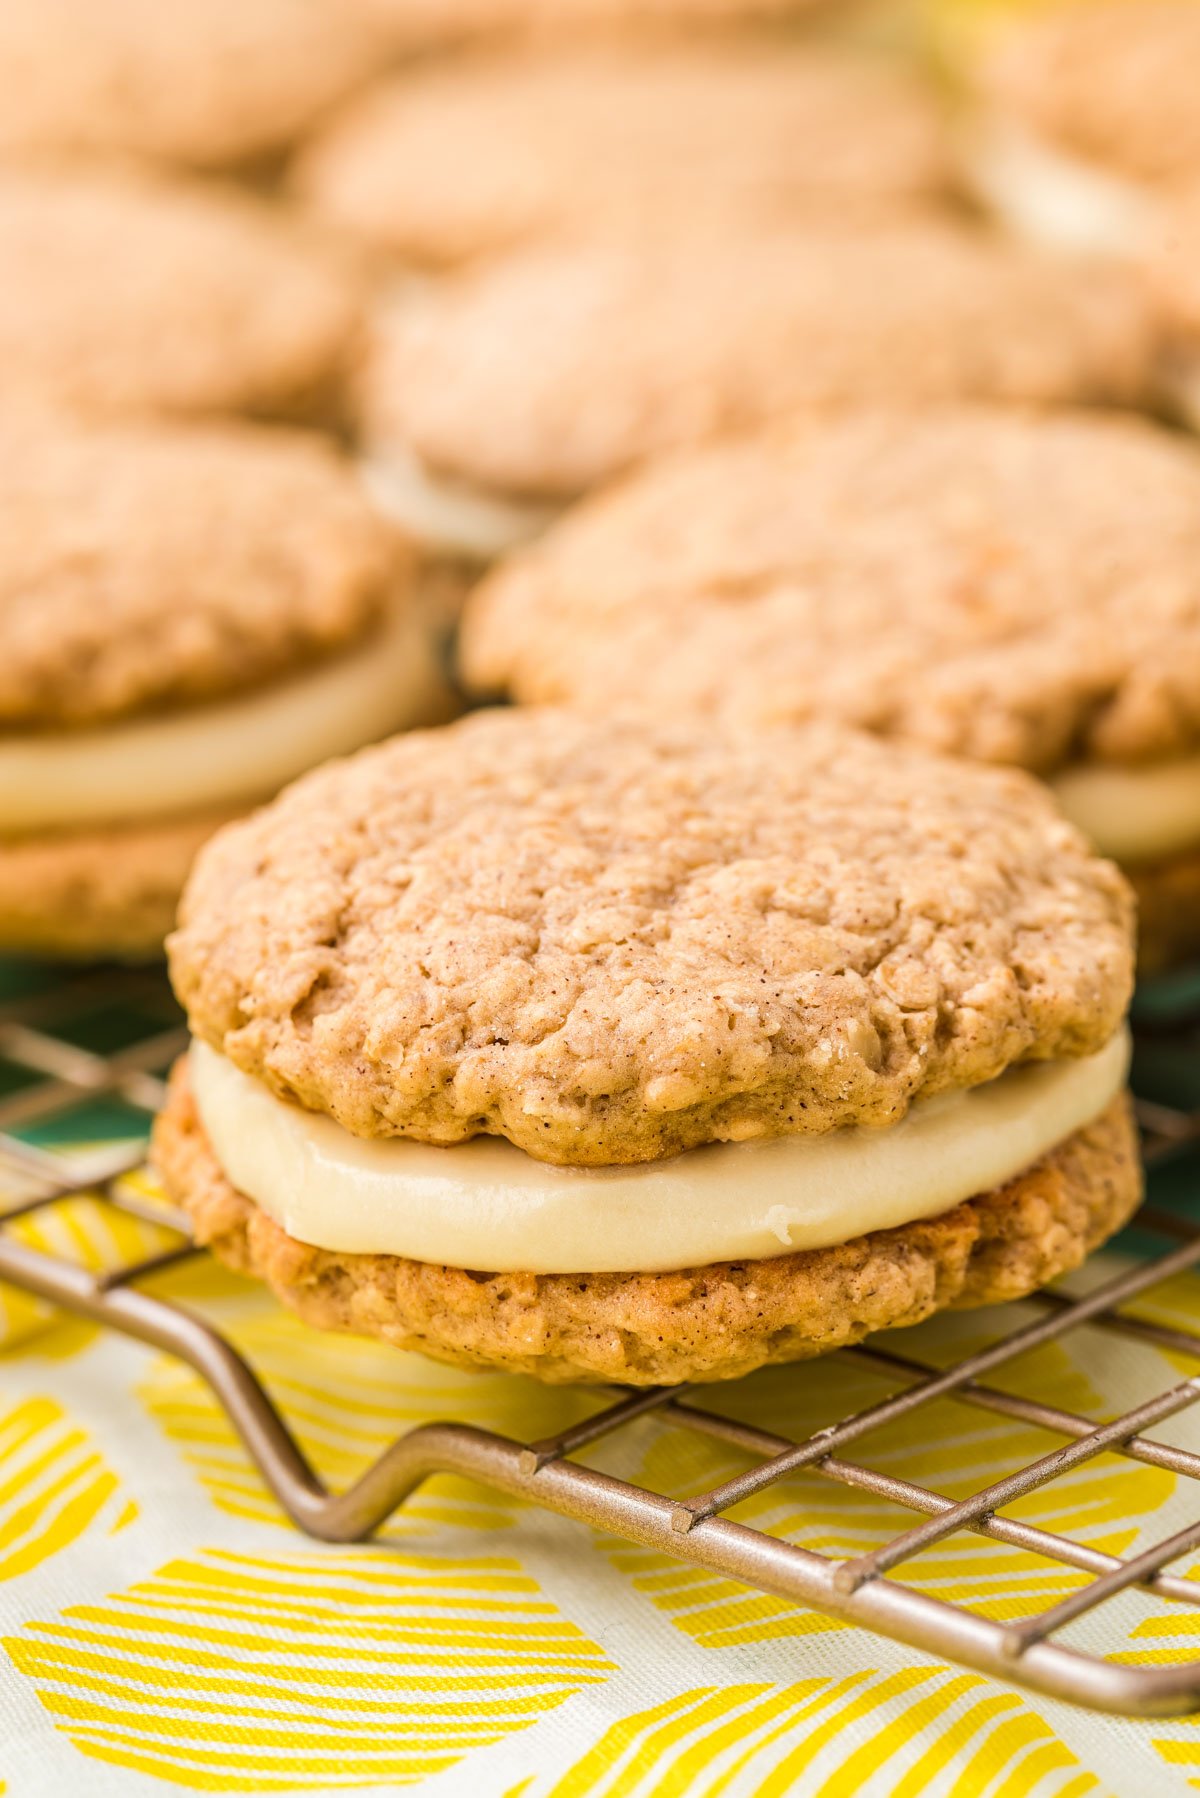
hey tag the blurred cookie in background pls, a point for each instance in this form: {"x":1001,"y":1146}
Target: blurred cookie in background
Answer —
{"x":458,"y":160}
{"x":208,"y":84}
{"x":1013,"y":587}
{"x":188,"y":618}
{"x":131,"y":294}
{"x":422,"y":25}
{"x":1171,"y":262}
{"x":514,"y":389}
{"x":1082,"y":114}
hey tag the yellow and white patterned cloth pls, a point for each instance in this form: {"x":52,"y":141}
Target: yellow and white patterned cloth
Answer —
{"x":164,"y":1629}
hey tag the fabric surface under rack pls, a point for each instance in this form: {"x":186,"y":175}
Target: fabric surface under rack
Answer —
{"x":1022,"y":1483}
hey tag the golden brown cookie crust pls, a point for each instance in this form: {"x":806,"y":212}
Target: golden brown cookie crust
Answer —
{"x":550,"y":370}
{"x":105,"y":893}
{"x":152,"y":565}
{"x":209,"y":84}
{"x":122,"y":294}
{"x":468,"y":157}
{"x":1113,"y":83}
{"x":1014,"y":587}
{"x":611,"y":941}
{"x":710,"y":1323}
{"x":1168,"y":904}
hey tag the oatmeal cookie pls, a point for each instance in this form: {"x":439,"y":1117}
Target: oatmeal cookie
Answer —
{"x":612,"y":941}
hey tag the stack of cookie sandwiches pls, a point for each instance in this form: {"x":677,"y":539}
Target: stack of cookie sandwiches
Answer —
{"x":610,"y":1051}
{"x":547,"y":372}
{"x":1013,"y":587}
{"x":456,"y":162}
{"x":189,"y":616}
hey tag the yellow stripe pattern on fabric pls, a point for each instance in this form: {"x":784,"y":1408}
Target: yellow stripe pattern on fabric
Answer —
{"x":82,"y":1230}
{"x":266,"y":1664}
{"x":54,"y":1487}
{"x":347,"y":1400}
{"x":960,"y":1450}
{"x":230,"y":1672}
{"x":775,"y":1740}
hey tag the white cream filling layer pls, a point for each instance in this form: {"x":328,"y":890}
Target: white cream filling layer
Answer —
{"x":444,"y":516}
{"x":235,"y":750}
{"x":486,"y":1205}
{"x":1054,"y":198}
{"x":1134,"y":814}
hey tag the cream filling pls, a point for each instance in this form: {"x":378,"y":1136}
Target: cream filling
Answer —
{"x":485,"y":1204}
{"x":1054,"y":198}
{"x":235,"y":750}
{"x":446,"y":516}
{"x":1134,"y":814}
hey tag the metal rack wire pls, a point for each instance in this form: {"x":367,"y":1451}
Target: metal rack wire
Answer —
{"x":54,"y":1080}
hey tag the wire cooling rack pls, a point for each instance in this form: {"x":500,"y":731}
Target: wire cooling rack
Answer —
{"x":53,"y":1076}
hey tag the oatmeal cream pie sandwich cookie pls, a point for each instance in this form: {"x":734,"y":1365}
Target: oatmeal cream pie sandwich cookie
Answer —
{"x":600,"y":1050}
{"x":189,"y":617}
{"x":527,"y":382}
{"x":1080,"y":119}
{"x":1010,"y":586}
{"x":205,"y":84}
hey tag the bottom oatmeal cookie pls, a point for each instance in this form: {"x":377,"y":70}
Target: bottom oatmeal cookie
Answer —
{"x":704,"y":1323}
{"x":109,"y":892}
{"x":1168,"y":896}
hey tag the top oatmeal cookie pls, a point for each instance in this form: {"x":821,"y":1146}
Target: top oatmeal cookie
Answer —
{"x":1111,"y":83}
{"x":144,"y":566}
{"x":550,"y":370}
{"x":465,"y":158}
{"x":200,"y":83}
{"x":610,"y":942}
{"x":122,"y":293}
{"x":1016,"y":587}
